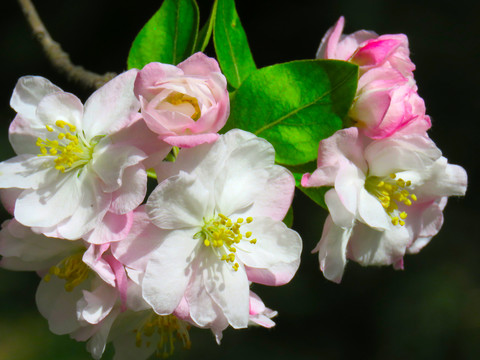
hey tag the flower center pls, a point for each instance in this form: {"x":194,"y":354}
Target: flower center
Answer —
{"x":169,"y":328}
{"x":391,"y":192}
{"x":72,"y":269}
{"x":178,"y":99}
{"x":70,"y":148}
{"x":223,"y":236}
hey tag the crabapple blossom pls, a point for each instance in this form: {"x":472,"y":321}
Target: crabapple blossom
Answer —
{"x":79,"y":294}
{"x":187,"y":104}
{"x":216,"y":217}
{"x":74,"y":162}
{"x":386,"y":199}
{"x":387,"y":100}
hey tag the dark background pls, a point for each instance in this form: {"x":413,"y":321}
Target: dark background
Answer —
{"x":429,"y":311}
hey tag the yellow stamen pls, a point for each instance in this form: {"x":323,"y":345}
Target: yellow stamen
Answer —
{"x":70,"y":151}
{"x":72,"y":269}
{"x":391,"y":192}
{"x":164,"y":331}
{"x":176,"y":98}
{"x":224,"y":237}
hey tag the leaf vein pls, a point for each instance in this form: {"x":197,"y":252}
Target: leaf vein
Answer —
{"x":293,"y":112}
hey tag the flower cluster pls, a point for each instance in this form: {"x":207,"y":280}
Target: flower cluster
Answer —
{"x":139,"y":268}
{"x":141,"y":275}
{"x":389,"y":182}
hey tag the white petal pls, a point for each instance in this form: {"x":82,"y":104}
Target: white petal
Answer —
{"x":113,"y":227}
{"x":277,"y":195}
{"x":203,"y":310}
{"x":135,"y":299}
{"x":444,"y":180}
{"x":50,"y":204}
{"x":372,"y":212}
{"x":8,"y":197}
{"x":332,"y":250}
{"x":244,"y":173}
{"x":169,"y":271}
{"x":349,"y":182}
{"x":58,"y":306}
{"x":27,"y":171}
{"x":277,"y":250}
{"x":112,"y":106}
{"x":135,"y":250}
{"x":132,"y":191}
{"x":92,"y":206}
{"x":28,"y":93}
{"x":229,"y":289}
{"x":339,"y":213}
{"x":96,"y":344}
{"x":123,"y":336}
{"x":110,"y":161}
{"x":391,"y":155}
{"x":188,"y":160}
{"x":371,"y":247}
{"x":60,"y":106}
{"x":23,"y":136}
{"x":181,"y":201}
{"x":97,"y":304}
{"x":38,"y":251}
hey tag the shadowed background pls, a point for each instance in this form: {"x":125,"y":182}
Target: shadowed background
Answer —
{"x":429,"y":311}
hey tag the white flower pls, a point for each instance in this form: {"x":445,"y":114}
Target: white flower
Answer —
{"x":73,"y":298}
{"x":387,"y":197}
{"x":222,"y":208}
{"x":73,"y":163}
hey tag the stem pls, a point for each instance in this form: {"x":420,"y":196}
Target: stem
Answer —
{"x":55,"y":54}
{"x":151,"y":174}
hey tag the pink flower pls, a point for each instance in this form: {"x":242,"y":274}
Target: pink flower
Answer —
{"x":186,"y":105}
{"x":386,"y":199}
{"x":367,"y":49}
{"x":386,"y":101}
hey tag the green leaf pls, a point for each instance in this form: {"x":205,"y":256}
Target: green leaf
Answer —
{"x":295,"y":105}
{"x":231,"y":45}
{"x":206,"y":31}
{"x":168,"y":37}
{"x":288,"y":220}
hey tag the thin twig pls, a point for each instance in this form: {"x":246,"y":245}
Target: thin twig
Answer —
{"x":56,"y":55}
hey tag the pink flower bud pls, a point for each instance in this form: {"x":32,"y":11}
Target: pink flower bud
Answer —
{"x":186,"y":105}
{"x":387,"y":100}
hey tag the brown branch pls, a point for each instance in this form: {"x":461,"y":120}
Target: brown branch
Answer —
{"x":59,"y":58}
